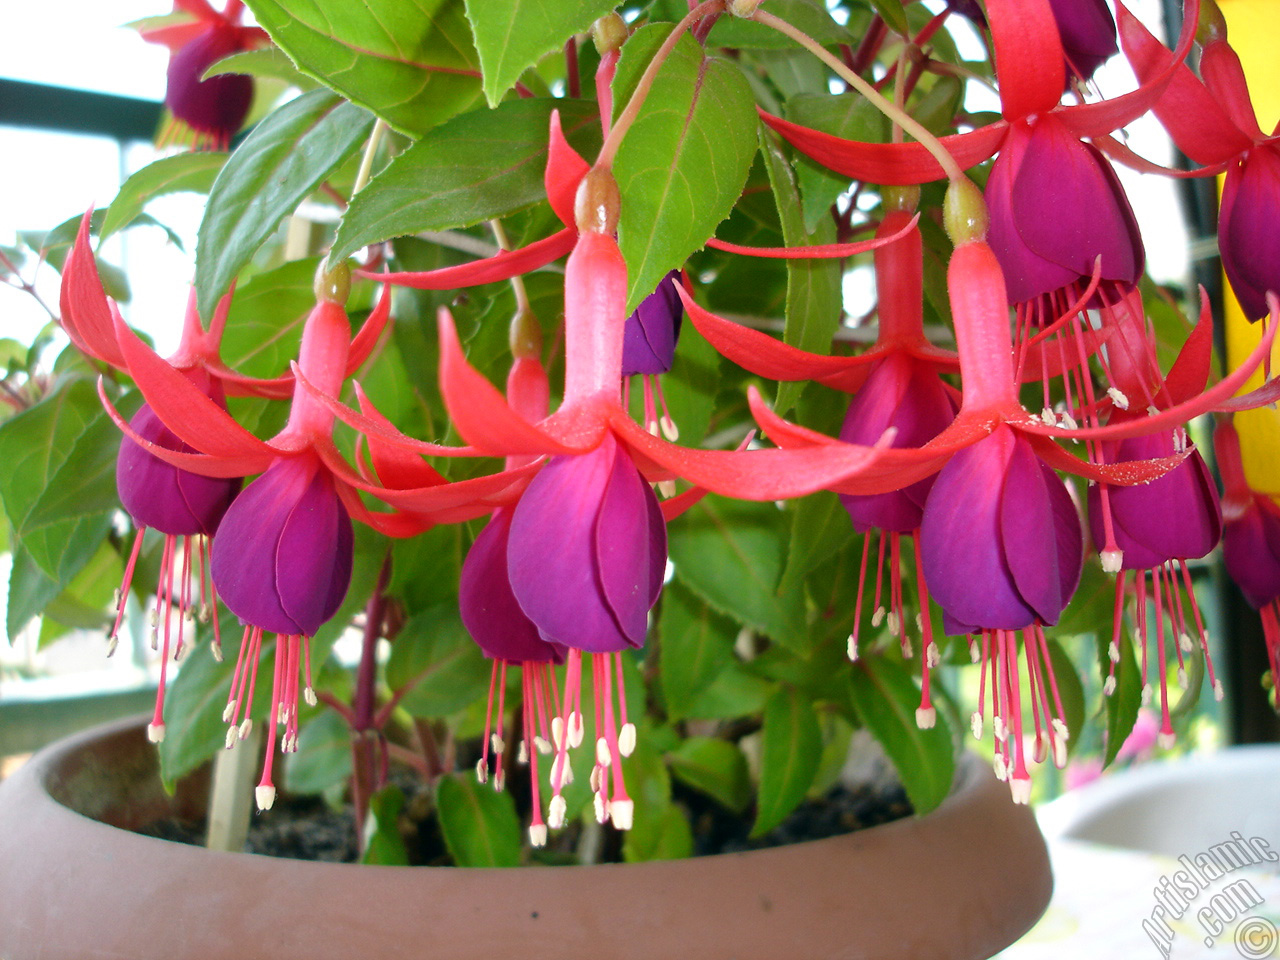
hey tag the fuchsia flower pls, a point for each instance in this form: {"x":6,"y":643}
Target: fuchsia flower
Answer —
{"x":213,"y":110}
{"x":649,"y":341}
{"x":1250,"y":539}
{"x":1213,"y":122}
{"x":1088,"y":34}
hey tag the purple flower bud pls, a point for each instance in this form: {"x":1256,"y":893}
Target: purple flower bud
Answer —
{"x":908,"y":395}
{"x":489,"y":608}
{"x":216,"y":107}
{"x":1000,"y":541}
{"x":1174,"y":517}
{"x":649,"y":339}
{"x":1088,"y":33}
{"x":1056,"y":206}
{"x":588,"y":550}
{"x":1247,"y":235}
{"x":282,"y":556}
{"x":163,"y":497}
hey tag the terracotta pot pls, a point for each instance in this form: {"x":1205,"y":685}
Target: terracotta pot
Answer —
{"x":962,"y":882}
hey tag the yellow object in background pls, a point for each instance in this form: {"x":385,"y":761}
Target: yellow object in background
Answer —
{"x":1251,"y":30}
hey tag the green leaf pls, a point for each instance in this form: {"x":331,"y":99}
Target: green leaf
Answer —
{"x":695,"y":645}
{"x":886,"y":699}
{"x":30,"y":589}
{"x":436,"y":658}
{"x":791,"y":749}
{"x":513,"y":35}
{"x":736,"y":692}
{"x":266,"y":63}
{"x":1124,"y":702}
{"x":1070,"y":691}
{"x":409,"y":61}
{"x":814,"y":296}
{"x":894,"y":15}
{"x":385,"y":844}
{"x":846,"y":115}
{"x":58,"y":487}
{"x":682,"y":165}
{"x":716,"y":768}
{"x":479,"y":166}
{"x":731,"y":554}
{"x":323,"y":758}
{"x":264,"y":326}
{"x":282,"y":160}
{"x":820,"y":527}
{"x":480,"y":825}
{"x":191,"y":172}
{"x":811,"y":16}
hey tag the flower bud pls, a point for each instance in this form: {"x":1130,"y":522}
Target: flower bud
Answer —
{"x":333,"y":285}
{"x":595,"y":208}
{"x":900,"y":199}
{"x":964,"y":213}
{"x":609,"y":33}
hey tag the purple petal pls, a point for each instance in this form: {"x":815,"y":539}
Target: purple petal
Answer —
{"x":161,"y":496}
{"x":1088,"y":33}
{"x":551,"y":553}
{"x":1027,"y":274}
{"x":1029,"y":533}
{"x":313,"y":561}
{"x":1069,"y":207}
{"x":1247,"y":237}
{"x":1175,"y":517}
{"x":216,"y":106}
{"x":1249,"y":550}
{"x":489,"y":608}
{"x":961,"y":546}
{"x":909,"y":396}
{"x":624,"y":538}
{"x":649,"y":338}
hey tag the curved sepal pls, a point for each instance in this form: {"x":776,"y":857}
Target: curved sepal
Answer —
{"x":501,"y":266}
{"x":366,"y":337}
{"x":817,"y":251}
{"x":1030,"y":65}
{"x":86,"y":314}
{"x":565,"y":170}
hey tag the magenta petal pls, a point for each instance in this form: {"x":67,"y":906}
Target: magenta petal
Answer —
{"x":1251,"y":552}
{"x":161,"y":496}
{"x":1088,"y":33}
{"x":552,"y":552}
{"x":961,"y":545}
{"x":313,"y":562}
{"x":1247,"y":237}
{"x":282,"y":558}
{"x":1174,"y":517}
{"x":625,"y":541}
{"x":489,"y":608}
{"x":1070,"y":209}
{"x":217,"y":106}
{"x":905,"y":394}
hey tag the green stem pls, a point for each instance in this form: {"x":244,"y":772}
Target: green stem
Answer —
{"x":897,"y":115}
{"x":366,"y":162}
{"x":632,"y":109}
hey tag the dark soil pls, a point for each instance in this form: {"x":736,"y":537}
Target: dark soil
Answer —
{"x":305,"y":828}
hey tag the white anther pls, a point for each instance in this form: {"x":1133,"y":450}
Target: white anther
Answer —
{"x":596,"y":779}
{"x":265,"y":795}
{"x":1047,"y":418}
{"x":309,"y":695}
{"x":601,"y":807}
{"x":603,"y":756}
{"x":1166,"y":740}
{"x":522,"y":753}
{"x":497,"y":743}
{"x":1060,"y":729}
{"x":627,"y":739}
{"x":112,"y":643}
{"x":975,"y":652}
{"x":216,"y":649}
{"x":500,"y":781}
{"x":622,"y":813}
{"x":895,"y":622}
{"x":246,"y":728}
{"x":155,"y":732}
{"x":556,"y":812}
{"x":932,"y":655}
{"x":1217,"y":689}
{"x":1069,"y":421}
{"x":669,"y":428}
{"x":1146,"y":694}
{"x":1109,"y":686}
{"x":1060,"y":753}
{"x":228,"y":712}
{"x":482,"y":771}
{"x":998,"y":727}
{"x":998,"y":766}
{"x":1118,"y":398}
{"x":926,"y":717}
{"x":577,"y":730}
{"x":975,"y":724}
{"x":1113,"y":652}
{"x":541,"y":745}
{"x":1182,"y":677}
{"x":1020,"y":787}
{"x":852,"y":649}
{"x":233,"y":736}
{"x":1184,"y":641}
{"x":877,"y":618}
{"x":538,"y":834}
{"x":1112,"y":560}
{"x":557,"y":731}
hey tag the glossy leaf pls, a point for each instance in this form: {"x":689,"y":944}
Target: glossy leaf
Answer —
{"x":478,"y":166}
{"x":1123,"y":704}
{"x":814,"y":296}
{"x":735,"y":692}
{"x":819,"y":528}
{"x":264,"y":326}
{"x":384,"y":843}
{"x":279,"y":163}
{"x":696,"y":644}
{"x":323,"y":758}
{"x":714,"y":767}
{"x":682,"y":165}
{"x":191,"y":172}
{"x":513,"y":35}
{"x":886,"y":698}
{"x":409,"y":61}
{"x":811,"y":16}
{"x":661,"y":829}
{"x":58,"y":487}
{"x":791,"y":748}
{"x":30,"y":590}
{"x":845,"y":115}
{"x":435,"y":657}
{"x":731,"y":554}
{"x":480,"y":825}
